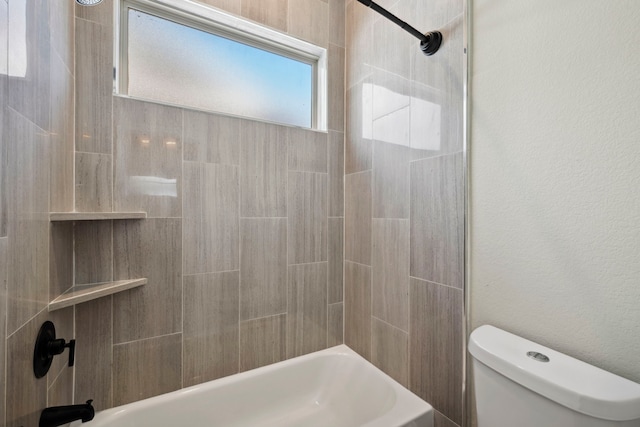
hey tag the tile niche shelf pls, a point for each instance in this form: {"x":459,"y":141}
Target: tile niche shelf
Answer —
{"x":95,"y":216}
{"x":84,"y":293}
{"x":87,"y":292}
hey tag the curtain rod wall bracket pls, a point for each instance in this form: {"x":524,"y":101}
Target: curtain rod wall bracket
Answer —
{"x":429,"y":42}
{"x":432,"y":43}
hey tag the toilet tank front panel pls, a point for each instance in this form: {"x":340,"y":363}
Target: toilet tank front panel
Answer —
{"x":501,"y":402}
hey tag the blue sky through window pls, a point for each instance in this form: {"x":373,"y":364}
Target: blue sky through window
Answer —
{"x":175,"y":63}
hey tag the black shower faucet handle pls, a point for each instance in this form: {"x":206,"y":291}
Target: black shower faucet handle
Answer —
{"x":57,"y":346}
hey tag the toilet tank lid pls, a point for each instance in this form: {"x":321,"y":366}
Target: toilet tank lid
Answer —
{"x":563,"y":379}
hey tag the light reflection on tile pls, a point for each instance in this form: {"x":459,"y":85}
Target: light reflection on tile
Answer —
{"x":393,"y":127}
{"x":390,"y":93}
{"x":148,"y":158}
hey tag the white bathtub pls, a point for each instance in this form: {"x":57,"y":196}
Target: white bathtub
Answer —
{"x":330,"y":388}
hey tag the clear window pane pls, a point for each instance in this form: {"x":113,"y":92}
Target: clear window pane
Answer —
{"x":177,"y":64}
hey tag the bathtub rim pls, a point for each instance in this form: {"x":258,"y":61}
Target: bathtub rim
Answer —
{"x":407,"y":406}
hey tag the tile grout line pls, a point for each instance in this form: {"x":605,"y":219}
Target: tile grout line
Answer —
{"x":182,"y":203}
{"x":358,"y":263}
{"x":146,"y":339}
{"x":437,"y":283}
{"x":370,"y":231}
{"x":24,"y":324}
{"x":287,"y":138}
{"x":389,"y":324}
{"x":409,"y":241}
{"x":5,"y":341}
{"x":328,"y":280}
{"x":264,"y":317}
{"x":344,"y":168}
{"x":111,"y":397}
{"x":239,"y":235}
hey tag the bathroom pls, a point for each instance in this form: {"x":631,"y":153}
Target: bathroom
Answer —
{"x":494,"y":182}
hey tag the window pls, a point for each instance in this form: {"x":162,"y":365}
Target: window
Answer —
{"x":183,"y":53}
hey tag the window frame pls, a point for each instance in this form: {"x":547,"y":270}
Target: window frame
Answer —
{"x":214,"y":21}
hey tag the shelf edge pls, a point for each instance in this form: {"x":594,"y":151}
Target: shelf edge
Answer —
{"x":95,"y":216}
{"x":83,"y":293}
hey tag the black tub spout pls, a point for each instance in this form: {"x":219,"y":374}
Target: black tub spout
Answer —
{"x":61,"y":415}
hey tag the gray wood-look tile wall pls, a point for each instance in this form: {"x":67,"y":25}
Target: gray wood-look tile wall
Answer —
{"x":93,"y":182}
{"x":3,"y":321}
{"x":307,"y":309}
{"x":243,"y":242}
{"x":404,"y":204}
{"x":211,"y":326}
{"x":256,"y":276}
{"x":36,"y":176}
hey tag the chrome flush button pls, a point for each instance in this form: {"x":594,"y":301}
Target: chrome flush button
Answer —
{"x":537,"y":356}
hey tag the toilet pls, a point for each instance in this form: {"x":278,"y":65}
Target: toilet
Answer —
{"x":520,"y":383}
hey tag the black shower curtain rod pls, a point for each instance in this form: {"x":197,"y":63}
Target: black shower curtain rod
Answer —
{"x":429,"y":42}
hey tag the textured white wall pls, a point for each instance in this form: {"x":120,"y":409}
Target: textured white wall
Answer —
{"x":555,"y":175}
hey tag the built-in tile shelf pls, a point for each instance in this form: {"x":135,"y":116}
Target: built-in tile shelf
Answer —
{"x":95,"y":216}
{"x":83,"y":293}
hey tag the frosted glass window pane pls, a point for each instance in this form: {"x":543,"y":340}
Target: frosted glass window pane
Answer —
{"x":178,"y":64}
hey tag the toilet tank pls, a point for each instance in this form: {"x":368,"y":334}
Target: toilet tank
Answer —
{"x":520,"y":383}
